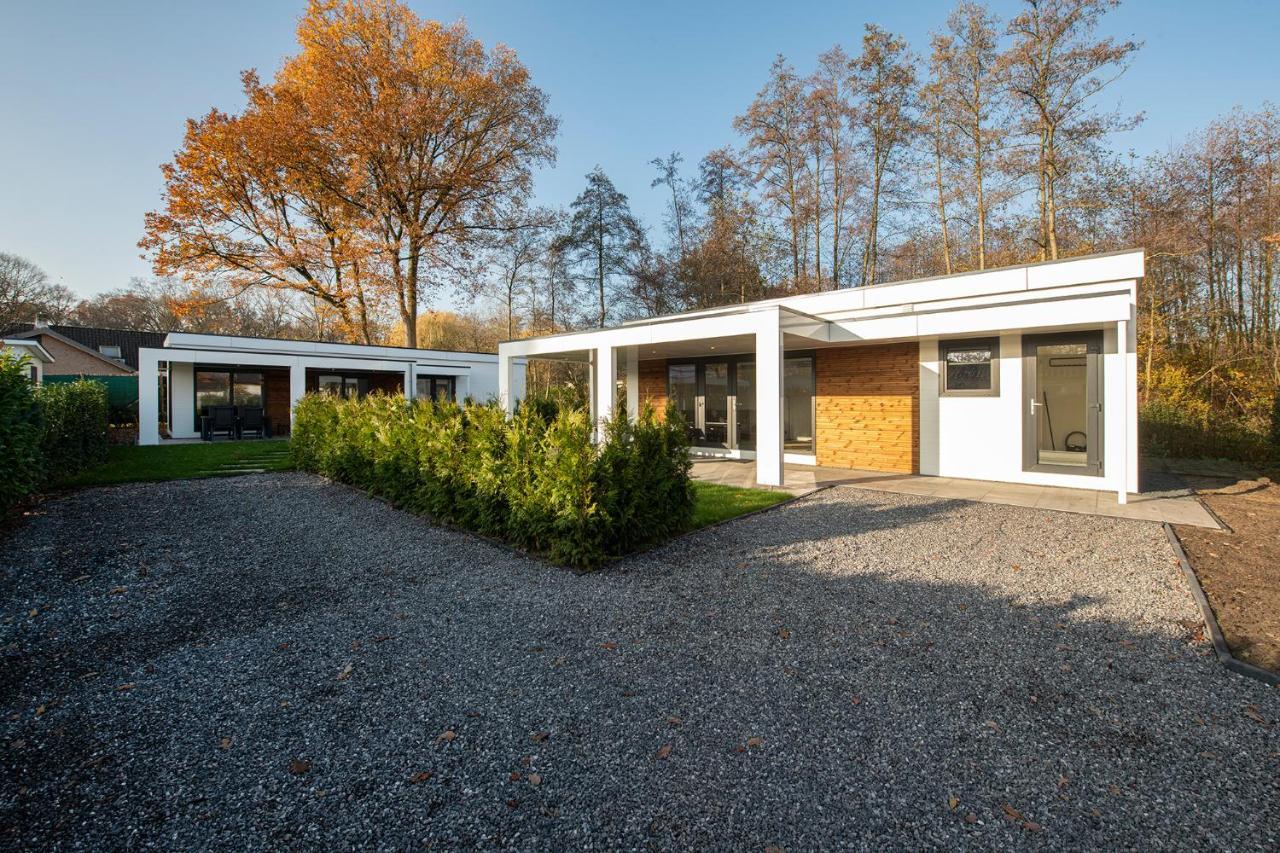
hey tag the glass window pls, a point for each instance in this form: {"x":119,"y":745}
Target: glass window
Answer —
{"x":745,"y":397}
{"x":246,"y":389}
{"x":110,"y":350}
{"x":328,"y":384}
{"x":682,"y":389}
{"x":798,"y":385}
{"x":436,"y":388}
{"x":716,"y":403}
{"x":213,"y":388}
{"x":969,"y":367}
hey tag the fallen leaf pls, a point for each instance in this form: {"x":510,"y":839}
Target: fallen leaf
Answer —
{"x":1017,"y":568}
{"x":773,"y":848}
{"x":34,"y":613}
{"x":515,"y":776}
{"x":40,"y":709}
{"x":674,"y":721}
{"x":1062,"y":781}
{"x":527,"y":761}
{"x":539,"y":737}
{"x":993,"y":725}
{"x":953,"y":802}
{"x":224,"y":744}
{"x":1128,"y":644}
{"x":970,"y":817}
{"x":128,"y":685}
{"x":755,"y":741}
{"x":447,"y":736}
{"x":419,"y":777}
{"x":1253,"y":713}
{"x":382,"y":638}
{"x":115,"y":590}
{"x":664,"y":751}
{"x":856,"y":700}
{"x":784,"y":633}
{"x":609,"y":646}
{"x":345,"y":672}
{"x":79,"y":578}
{"x":534,"y":779}
{"x":1032,"y":826}
{"x":299,"y":766}
{"x":1114,"y":790}
{"x":1012,"y":813}
{"x":513,"y":803}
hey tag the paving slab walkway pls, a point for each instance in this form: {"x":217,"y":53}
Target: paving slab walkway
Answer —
{"x":1172,"y":505}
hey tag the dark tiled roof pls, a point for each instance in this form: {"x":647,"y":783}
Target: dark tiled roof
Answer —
{"x":129,"y":340}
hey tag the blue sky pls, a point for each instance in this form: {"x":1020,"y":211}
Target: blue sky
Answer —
{"x":94,"y":95}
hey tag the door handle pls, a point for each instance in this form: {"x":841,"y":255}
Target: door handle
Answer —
{"x":1034,"y":404}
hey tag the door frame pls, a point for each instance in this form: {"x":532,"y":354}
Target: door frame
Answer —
{"x":1095,"y":421}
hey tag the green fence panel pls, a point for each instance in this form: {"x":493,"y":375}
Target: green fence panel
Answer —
{"x":122,"y":391}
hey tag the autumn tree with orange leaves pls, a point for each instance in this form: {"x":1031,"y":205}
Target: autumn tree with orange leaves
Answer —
{"x":365,"y":174}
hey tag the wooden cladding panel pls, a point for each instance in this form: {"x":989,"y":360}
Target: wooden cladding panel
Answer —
{"x":868,"y":407}
{"x":653,"y":384}
{"x":275,"y":402}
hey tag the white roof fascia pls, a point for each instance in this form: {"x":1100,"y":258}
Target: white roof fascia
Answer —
{"x":236,"y":344}
{"x":37,"y":349}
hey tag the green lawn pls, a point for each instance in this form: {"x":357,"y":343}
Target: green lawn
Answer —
{"x":182,"y":461}
{"x":713,"y":502}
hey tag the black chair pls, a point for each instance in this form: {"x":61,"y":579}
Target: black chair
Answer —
{"x":252,"y":420}
{"x":221,"y":419}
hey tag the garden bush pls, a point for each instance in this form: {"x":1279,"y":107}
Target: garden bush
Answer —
{"x":536,"y":479}
{"x":75,"y":426}
{"x":21,"y":427}
{"x":1172,"y":431}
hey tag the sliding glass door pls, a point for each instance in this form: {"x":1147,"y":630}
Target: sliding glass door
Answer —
{"x":717,"y":397}
{"x":1062,"y":399}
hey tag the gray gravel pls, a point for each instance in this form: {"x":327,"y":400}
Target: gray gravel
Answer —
{"x":272,"y":661}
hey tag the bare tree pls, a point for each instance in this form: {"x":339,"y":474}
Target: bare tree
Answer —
{"x":27,"y":294}
{"x":885,"y":77}
{"x":1056,"y":68}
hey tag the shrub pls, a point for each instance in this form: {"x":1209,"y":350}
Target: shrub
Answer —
{"x":1172,"y":431}
{"x":536,"y":479}
{"x":21,"y":426}
{"x":75,"y":426}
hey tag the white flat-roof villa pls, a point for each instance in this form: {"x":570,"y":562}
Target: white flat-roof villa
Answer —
{"x":1023,"y":374}
{"x":192,"y":373}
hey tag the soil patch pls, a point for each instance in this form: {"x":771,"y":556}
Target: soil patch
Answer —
{"x":1239,"y":568}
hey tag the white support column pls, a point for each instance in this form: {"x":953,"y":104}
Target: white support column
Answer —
{"x":506,"y":391}
{"x":604,"y":386}
{"x":769,"y":361}
{"x":633,"y":382}
{"x":410,"y":391}
{"x":297,"y":387}
{"x":148,"y":396}
{"x":1122,"y":348}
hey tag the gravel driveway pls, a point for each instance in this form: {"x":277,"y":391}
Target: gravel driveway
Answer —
{"x":273,"y":661}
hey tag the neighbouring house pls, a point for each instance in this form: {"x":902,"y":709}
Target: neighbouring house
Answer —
{"x":38,"y":358}
{"x":1023,"y":374}
{"x":87,"y":350}
{"x":186,"y":374}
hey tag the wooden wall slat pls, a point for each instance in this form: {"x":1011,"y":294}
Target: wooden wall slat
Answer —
{"x":868,"y":404}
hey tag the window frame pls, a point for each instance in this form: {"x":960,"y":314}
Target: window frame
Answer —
{"x":946,"y":347}
{"x":118,"y":351}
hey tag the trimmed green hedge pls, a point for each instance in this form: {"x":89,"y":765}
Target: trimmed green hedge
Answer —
{"x":536,"y":479}
{"x":21,"y":426}
{"x":47,"y":432}
{"x":75,"y":426}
